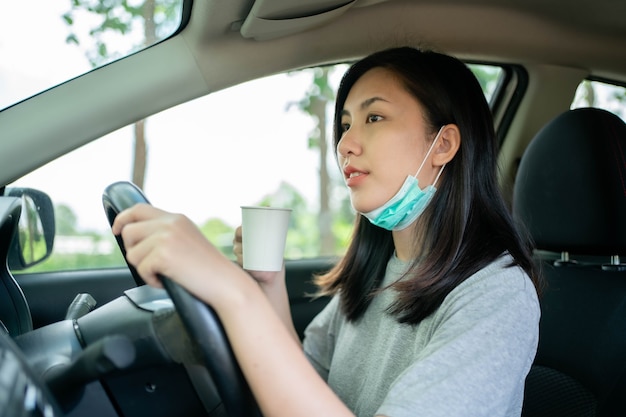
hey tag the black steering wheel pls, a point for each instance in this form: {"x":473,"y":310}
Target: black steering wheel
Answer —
{"x":200,"y":320}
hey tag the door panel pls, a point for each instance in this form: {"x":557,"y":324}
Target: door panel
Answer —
{"x":50,"y":294}
{"x":300,"y":288}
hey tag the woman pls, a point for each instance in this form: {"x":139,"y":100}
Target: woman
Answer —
{"x":434,"y":311}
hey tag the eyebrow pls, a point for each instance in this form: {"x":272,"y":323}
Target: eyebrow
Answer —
{"x":365,"y":104}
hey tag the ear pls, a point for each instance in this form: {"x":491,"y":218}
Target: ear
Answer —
{"x":447,"y":146}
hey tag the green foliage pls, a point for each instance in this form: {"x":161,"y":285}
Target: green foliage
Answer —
{"x":319,"y":94}
{"x":95,"y":258}
{"x":488,"y":77}
{"x":303,"y":233}
{"x":78,"y":249}
{"x":303,"y":236}
{"x":87,"y":249}
{"x":33,"y":247}
{"x":79,"y":261}
{"x":220,"y":234}
{"x":66,"y":220}
{"x":121,"y":17}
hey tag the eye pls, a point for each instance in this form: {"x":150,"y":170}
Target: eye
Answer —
{"x":345,"y":127}
{"x":373,"y":118}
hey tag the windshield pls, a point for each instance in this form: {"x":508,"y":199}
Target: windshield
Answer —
{"x":70,"y":37}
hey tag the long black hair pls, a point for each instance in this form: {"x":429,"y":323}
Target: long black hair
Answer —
{"x":466,"y":226}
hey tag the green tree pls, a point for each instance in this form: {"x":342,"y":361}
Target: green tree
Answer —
{"x":315,"y":103}
{"x":304,"y":233}
{"x":588,"y":93}
{"x":66,"y":220}
{"x":220,"y":234}
{"x":487,"y":76}
{"x":156,"y":18}
{"x":620,"y":97}
{"x":101,"y":250}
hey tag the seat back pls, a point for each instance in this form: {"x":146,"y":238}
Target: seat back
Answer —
{"x":14,"y":311}
{"x":570,"y":193}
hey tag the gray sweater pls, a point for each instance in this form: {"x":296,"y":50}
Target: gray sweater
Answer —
{"x":469,"y":358}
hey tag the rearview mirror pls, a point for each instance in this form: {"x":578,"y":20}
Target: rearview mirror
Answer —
{"x":34,"y":239}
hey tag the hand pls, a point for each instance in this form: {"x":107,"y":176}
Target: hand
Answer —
{"x":262,"y":277}
{"x":162,"y":243}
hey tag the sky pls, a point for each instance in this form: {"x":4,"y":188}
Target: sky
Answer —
{"x":208,"y":181}
{"x":33,"y":53}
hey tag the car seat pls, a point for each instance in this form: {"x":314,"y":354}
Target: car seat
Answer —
{"x":15,"y":315}
{"x":570,"y":194}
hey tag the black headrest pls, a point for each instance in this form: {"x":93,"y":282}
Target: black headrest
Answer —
{"x":570,"y":189}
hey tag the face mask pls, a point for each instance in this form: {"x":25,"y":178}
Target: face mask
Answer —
{"x":408,"y":203}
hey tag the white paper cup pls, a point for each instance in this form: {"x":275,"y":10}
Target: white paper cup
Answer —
{"x":264,"y":232}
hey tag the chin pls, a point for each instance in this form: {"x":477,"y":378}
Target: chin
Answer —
{"x":364,"y":208}
{"x":364,"y":202}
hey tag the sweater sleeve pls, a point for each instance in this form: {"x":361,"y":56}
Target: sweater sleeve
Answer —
{"x":483,"y":341}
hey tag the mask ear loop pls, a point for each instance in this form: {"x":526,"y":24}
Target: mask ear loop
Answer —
{"x":428,"y":153}
{"x":439,"y":174}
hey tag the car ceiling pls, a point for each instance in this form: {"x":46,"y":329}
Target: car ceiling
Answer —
{"x":229,"y":42}
{"x":586,"y":34}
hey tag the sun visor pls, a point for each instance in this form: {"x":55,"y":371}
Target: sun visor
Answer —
{"x":270,"y":19}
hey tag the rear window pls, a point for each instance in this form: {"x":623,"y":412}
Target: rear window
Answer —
{"x":490,"y":78}
{"x":602,"y":95}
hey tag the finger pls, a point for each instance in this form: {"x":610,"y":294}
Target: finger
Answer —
{"x":137,"y":249}
{"x":134,"y":233}
{"x":238,"y":252}
{"x":152,"y":256}
{"x":238,"y":234}
{"x":238,"y":246}
{"x":147,"y":264}
{"x":136,"y":213}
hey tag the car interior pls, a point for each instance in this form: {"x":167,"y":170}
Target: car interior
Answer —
{"x":578,"y":369}
{"x":94,"y":341}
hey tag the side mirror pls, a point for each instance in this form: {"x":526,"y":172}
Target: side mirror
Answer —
{"x":34,"y":239}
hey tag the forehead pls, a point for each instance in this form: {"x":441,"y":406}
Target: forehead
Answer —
{"x":381,"y":84}
{"x":379,"y":80}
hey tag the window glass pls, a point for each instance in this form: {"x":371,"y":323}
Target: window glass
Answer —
{"x":602,"y":95}
{"x":256,"y":143}
{"x":54,"y":41}
{"x":490,"y":77}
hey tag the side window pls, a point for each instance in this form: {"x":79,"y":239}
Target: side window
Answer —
{"x":603,"y":95}
{"x":490,"y":78}
{"x":265,"y":142}
{"x":256,"y":143}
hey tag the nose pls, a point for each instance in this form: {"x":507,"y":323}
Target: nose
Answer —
{"x":348,"y":144}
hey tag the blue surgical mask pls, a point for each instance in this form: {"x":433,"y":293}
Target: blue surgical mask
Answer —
{"x":408,"y":203}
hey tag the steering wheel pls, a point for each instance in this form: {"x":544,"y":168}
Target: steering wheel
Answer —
{"x":200,"y":320}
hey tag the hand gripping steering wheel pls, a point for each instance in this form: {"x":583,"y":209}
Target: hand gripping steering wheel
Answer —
{"x":200,"y":320}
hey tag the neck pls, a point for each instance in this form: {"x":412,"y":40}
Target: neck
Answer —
{"x":404,"y":243}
